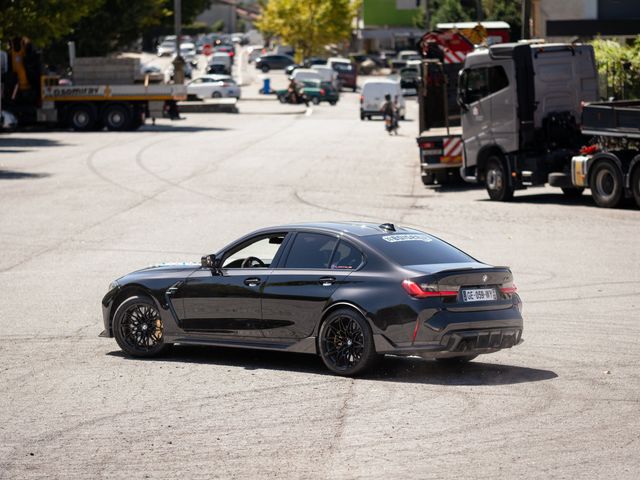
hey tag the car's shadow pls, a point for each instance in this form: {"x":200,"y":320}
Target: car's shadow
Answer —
{"x":389,"y":369}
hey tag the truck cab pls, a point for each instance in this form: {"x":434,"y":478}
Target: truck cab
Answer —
{"x":520,"y":112}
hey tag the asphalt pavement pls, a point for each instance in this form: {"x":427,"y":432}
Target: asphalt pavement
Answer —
{"x":78,"y":210}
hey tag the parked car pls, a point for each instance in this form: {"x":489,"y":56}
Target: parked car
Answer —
{"x":315,"y":90}
{"x":291,"y":68}
{"x":372,"y":97}
{"x":347,"y":292}
{"x":328,"y":74}
{"x":403,"y":57}
{"x":254,"y":51}
{"x":228,"y":49}
{"x":188,"y":52}
{"x":347,"y":72}
{"x":273,"y":62}
{"x":220,"y":63}
{"x":213,"y":86}
{"x":301,"y":74}
{"x":313,"y":61}
{"x":166,"y":48}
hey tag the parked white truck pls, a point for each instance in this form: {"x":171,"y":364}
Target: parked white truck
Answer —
{"x":521,"y":107}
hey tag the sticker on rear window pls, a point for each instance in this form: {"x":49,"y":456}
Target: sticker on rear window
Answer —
{"x":407,"y":237}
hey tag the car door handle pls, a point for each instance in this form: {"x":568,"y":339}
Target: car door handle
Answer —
{"x":327,"y":281}
{"x":252,"y":282}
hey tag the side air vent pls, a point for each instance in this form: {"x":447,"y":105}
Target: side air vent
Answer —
{"x":388,"y":227}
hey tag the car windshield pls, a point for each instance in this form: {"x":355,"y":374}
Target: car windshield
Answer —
{"x":416,"y":248}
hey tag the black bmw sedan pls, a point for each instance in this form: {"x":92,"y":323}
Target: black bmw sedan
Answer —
{"x":348,"y":292}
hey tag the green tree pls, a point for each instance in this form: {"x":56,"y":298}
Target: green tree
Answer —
{"x":450,"y":11}
{"x":308,"y":25}
{"x":509,"y":11}
{"x":618,"y":68}
{"x":43,"y":21}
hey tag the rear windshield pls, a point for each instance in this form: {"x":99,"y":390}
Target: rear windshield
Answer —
{"x":343,"y":67}
{"x":416,"y":249}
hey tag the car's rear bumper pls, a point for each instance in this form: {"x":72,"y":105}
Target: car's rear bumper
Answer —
{"x":448,"y":334}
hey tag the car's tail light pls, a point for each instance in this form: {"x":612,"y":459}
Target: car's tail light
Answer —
{"x":231,"y":54}
{"x":322,"y":92}
{"x":510,"y":289}
{"x":425,"y":290}
{"x":426,"y":145}
{"x":361,"y":98}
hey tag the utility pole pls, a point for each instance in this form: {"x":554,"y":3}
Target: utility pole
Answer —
{"x":427,"y":18}
{"x":526,"y":18}
{"x":178,"y":62}
{"x":479,"y":12}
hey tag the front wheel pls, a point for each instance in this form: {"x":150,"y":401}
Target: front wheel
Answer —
{"x":346,"y":343}
{"x":138,"y":329}
{"x":497,"y":181}
{"x":315,"y":100}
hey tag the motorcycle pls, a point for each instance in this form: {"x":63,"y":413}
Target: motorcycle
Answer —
{"x":391,"y":124}
{"x":294,"y":98}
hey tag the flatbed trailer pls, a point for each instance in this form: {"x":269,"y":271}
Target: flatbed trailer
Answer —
{"x":92,"y":107}
{"x":610,"y":166}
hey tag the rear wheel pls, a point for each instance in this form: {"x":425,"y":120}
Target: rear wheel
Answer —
{"x":117,"y":118}
{"x":315,"y":100}
{"x":264,"y":68}
{"x":635,"y":184}
{"x":497,"y":181}
{"x":346,"y":343}
{"x":83,"y":117}
{"x":216,"y":95}
{"x":332,"y":103}
{"x":137,"y":327}
{"x":606,"y":185}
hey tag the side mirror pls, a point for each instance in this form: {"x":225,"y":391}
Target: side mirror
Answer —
{"x":209,"y":261}
{"x":463,"y":106}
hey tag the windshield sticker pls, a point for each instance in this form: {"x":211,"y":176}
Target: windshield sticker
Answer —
{"x":407,"y":237}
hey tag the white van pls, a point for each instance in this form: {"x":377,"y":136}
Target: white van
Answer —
{"x":372,"y":97}
{"x":300,"y":74}
{"x":328,"y":74}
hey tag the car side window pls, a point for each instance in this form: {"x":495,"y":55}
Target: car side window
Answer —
{"x":257,"y":254}
{"x":311,"y":250}
{"x":346,"y":257}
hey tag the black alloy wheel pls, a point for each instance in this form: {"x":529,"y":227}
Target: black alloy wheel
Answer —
{"x":264,"y":68}
{"x":635,"y":184}
{"x":605,"y":182}
{"x":138,"y":329}
{"x":497,"y":181}
{"x":346,"y":343}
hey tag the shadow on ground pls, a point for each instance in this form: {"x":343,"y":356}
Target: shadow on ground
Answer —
{"x":9,"y":144}
{"x":389,"y":369}
{"x":15,"y":175}
{"x":172,"y":127}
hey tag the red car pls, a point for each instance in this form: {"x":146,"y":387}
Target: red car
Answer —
{"x":347,"y":72}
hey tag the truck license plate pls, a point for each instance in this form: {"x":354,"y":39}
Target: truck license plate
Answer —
{"x":479,"y":295}
{"x":433,"y":151}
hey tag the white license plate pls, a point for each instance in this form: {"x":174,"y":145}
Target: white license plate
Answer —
{"x":433,"y":151}
{"x":479,"y":295}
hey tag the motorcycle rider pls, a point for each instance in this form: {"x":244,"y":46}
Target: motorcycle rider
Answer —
{"x":295,"y":93}
{"x":389,"y":111}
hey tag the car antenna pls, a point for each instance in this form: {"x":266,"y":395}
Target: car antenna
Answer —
{"x":388,"y":226}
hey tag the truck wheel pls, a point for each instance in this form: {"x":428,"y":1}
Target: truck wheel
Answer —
{"x":428,"y":178}
{"x":117,"y":118}
{"x":315,"y":101}
{"x":497,"y":181}
{"x":605,"y":182}
{"x":83,"y":118}
{"x":572,"y":192}
{"x":635,"y":184}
